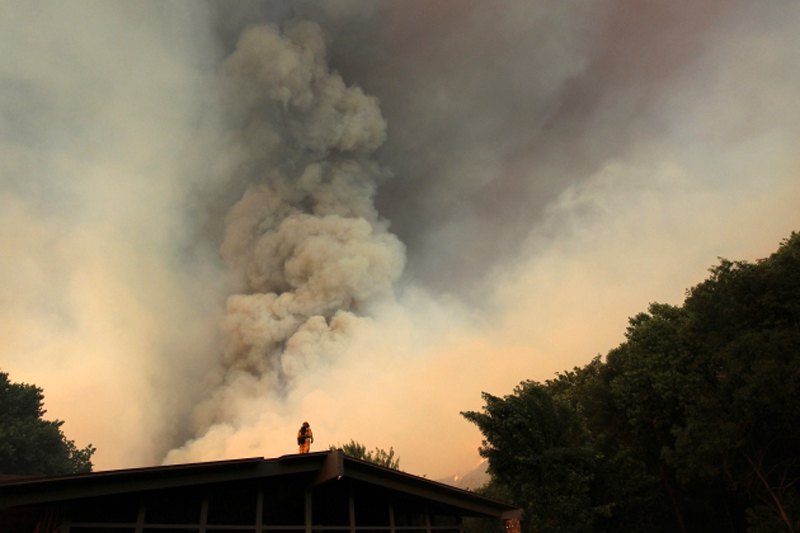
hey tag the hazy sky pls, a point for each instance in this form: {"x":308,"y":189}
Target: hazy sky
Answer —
{"x":220,"y":219}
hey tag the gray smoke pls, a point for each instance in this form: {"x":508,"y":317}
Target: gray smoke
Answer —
{"x":547,"y":164}
{"x":107,"y":298}
{"x":196,"y":198}
{"x":305,"y":242}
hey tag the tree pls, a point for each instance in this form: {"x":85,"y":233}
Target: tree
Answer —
{"x":745,"y":320}
{"x":536,"y":449}
{"x":378,"y":456}
{"x":28,"y":443}
{"x":692,"y":423}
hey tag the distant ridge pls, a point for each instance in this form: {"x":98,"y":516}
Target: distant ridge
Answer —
{"x":472,"y":480}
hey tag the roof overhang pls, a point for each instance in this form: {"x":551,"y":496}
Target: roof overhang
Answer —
{"x":320,"y":467}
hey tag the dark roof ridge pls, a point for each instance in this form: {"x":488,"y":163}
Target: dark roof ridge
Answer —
{"x":321,"y":466}
{"x":135,"y":470}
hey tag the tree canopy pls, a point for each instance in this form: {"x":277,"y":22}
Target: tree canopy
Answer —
{"x":691,"y":424}
{"x":378,"y":456}
{"x":28,"y":443}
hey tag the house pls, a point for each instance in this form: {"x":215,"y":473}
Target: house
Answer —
{"x":309,"y":493}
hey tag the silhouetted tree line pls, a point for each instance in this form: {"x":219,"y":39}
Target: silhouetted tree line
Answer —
{"x":691,"y":424}
{"x":379,"y":456}
{"x":29,"y":444}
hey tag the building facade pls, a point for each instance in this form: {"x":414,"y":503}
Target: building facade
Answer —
{"x":323,"y":492}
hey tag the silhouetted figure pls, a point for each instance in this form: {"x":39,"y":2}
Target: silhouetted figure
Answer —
{"x":305,"y":437}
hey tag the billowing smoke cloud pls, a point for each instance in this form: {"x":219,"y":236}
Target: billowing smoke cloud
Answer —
{"x":305,"y":240}
{"x":206,"y":207}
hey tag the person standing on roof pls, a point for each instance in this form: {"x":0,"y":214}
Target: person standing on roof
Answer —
{"x":305,"y":437}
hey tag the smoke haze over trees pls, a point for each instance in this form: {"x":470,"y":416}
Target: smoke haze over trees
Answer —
{"x":691,"y":424}
{"x":218,"y":220}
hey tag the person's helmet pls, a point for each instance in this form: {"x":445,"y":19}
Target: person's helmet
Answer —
{"x":305,"y":424}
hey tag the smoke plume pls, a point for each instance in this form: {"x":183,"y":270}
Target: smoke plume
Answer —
{"x":218,"y":220}
{"x":305,"y":242}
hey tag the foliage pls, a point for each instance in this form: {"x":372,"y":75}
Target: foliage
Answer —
{"x":691,"y":424}
{"x":28,"y":443}
{"x":535,"y":445}
{"x":378,"y":456}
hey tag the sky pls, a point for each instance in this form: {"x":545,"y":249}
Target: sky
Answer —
{"x":218,"y":220}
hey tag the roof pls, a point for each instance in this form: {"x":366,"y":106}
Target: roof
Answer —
{"x":319,"y":466}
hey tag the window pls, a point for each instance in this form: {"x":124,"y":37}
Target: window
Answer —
{"x":178,"y":506}
{"x":107,"y":509}
{"x":438,"y":520}
{"x":371,"y":505}
{"x":173,"y":529}
{"x":284,"y":503}
{"x":409,"y":513}
{"x":101,"y":529}
{"x":331,"y":504}
{"x":231,"y":505}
